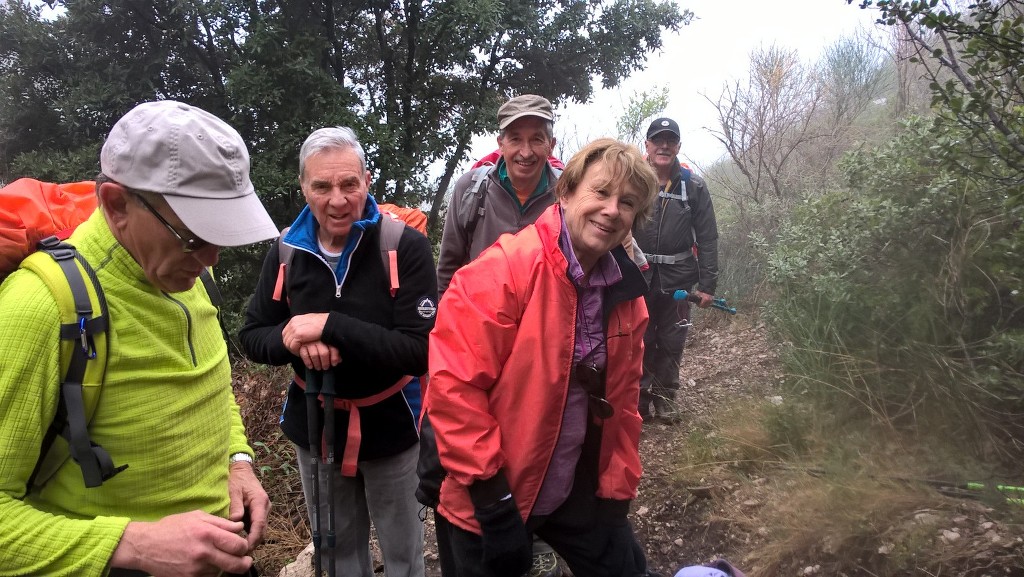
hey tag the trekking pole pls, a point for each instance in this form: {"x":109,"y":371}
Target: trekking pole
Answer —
{"x":315,"y":432}
{"x":718,"y":302}
{"x":329,"y":391}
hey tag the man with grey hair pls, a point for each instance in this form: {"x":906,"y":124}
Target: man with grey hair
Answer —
{"x":486,"y":203}
{"x":327,"y":310}
{"x":489,"y":202}
{"x":175,"y":505}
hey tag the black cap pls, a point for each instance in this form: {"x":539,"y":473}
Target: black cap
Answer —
{"x":663,"y":125}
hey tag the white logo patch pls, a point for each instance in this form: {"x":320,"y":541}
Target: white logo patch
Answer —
{"x":664,"y":123}
{"x":427,"y":308}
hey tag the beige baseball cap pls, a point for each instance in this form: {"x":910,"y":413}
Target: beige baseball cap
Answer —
{"x":525,"y":105}
{"x":198,"y":163}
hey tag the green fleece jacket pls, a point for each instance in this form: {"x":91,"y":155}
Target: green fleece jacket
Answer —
{"x":166,"y":410}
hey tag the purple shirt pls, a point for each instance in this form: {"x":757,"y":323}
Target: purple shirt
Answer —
{"x":590,"y":348}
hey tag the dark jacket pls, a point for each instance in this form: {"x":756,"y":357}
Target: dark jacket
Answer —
{"x":670,"y":232}
{"x":380,"y":338}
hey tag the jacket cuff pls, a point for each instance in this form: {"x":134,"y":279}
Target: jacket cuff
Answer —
{"x":486,"y":492}
{"x":612,"y":511}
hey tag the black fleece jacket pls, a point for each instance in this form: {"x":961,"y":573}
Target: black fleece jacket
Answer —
{"x":380,"y":338}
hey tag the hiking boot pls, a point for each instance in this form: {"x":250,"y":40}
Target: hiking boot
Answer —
{"x":666,"y":412}
{"x":645,"y":413}
{"x":545,"y":565}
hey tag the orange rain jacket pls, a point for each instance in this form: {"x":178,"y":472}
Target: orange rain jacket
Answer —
{"x":500,"y":355}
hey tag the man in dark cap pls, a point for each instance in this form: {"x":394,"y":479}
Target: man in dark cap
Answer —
{"x":681,"y":244}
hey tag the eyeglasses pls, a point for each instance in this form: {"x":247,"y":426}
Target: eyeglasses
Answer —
{"x":189,"y":241}
{"x":591,"y":378}
{"x":659,"y":140}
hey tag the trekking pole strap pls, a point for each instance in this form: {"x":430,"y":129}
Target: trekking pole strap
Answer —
{"x":354,"y":435}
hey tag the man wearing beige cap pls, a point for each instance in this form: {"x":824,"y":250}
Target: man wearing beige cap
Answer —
{"x":174,"y":188}
{"x":488,"y":202}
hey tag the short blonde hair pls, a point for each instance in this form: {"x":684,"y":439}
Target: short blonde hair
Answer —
{"x":624,"y":164}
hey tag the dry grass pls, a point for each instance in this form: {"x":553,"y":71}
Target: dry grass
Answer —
{"x":796,"y":496}
{"x":261,"y":392}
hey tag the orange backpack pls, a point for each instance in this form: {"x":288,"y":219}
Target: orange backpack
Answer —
{"x":31,"y":210}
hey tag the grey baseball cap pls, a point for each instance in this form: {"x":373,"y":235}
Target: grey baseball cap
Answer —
{"x":198,"y":163}
{"x":525,"y":105}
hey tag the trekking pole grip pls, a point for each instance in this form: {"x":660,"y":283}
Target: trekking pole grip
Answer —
{"x":717,"y":303}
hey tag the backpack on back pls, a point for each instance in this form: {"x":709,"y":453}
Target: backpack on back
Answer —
{"x":34,"y":215}
{"x":392,"y":224}
{"x":35,"y":218}
{"x":473,"y":198}
{"x":33,"y":210}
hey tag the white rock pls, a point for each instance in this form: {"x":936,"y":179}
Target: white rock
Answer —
{"x":302,"y":566}
{"x":950,"y":536}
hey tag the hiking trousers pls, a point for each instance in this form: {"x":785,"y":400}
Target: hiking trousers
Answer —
{"x":383,"y":491}
{"x":663,"y":349}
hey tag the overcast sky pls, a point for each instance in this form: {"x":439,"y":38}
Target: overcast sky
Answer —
{"x":701,"y":58}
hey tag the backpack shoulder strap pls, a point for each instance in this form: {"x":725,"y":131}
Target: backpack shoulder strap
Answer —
{"x":285,"y":253}
{"x":473,"y":199}
{"x":391,"y":230}
{"x":83,"y":358}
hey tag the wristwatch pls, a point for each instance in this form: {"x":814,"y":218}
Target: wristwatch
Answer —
{"x":240,"y":457}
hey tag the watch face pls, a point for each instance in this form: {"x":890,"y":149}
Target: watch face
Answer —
{"x":240,"y":457}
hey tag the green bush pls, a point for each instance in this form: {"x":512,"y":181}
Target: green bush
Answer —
{"x":901,"y":292}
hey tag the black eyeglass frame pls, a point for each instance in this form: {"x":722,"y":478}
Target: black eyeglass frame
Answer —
{"x":591,"y":379}
{"x":189,"y":244}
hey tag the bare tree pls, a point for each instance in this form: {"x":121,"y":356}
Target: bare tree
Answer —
{"x":853,"y":75}
{"x":763,"y":122}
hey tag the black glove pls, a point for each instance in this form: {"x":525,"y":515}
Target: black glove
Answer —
{"x":507,"y":546}
{"x":428,"y":467}
{"x":623,"y":554}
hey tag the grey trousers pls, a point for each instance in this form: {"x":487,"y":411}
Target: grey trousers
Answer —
{"x":383,"y":491}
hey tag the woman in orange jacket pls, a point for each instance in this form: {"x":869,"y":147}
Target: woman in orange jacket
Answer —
{"x":535,"y":364}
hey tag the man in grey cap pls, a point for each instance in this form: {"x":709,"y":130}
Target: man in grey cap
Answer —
{"x":680,"y":242}
{"x":174,"y":188}
{"x":488,"y":202}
